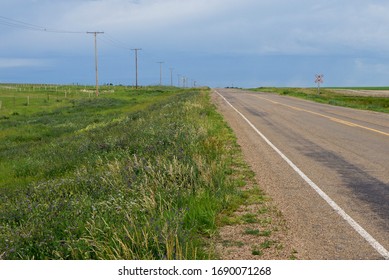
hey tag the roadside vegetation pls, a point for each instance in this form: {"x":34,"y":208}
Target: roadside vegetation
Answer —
{"x":330,"y":96}
{"x":131,"y":174}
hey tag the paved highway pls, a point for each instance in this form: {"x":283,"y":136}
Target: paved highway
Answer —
{"x":326,"y":167}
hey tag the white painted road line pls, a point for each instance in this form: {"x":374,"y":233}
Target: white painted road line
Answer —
{"x":370,"y":239}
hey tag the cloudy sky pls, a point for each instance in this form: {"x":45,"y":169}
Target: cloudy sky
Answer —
{"x":244,"y":43}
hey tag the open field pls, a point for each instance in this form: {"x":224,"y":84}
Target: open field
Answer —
{"x":363,"y":92}
{"x":374,"y":99}
{"x":146,"y":174}
{"x":362,"y":88}
{"x":31,"y":98}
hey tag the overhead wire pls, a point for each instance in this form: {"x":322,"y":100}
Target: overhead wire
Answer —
{"x":17,"y":24}
{"x":28,"y":26}
{"x":33,"y":27}
{"x":6,"y":21}
{"x":114,"y":42}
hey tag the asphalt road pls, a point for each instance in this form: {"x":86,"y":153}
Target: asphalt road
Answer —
{"x":326,"y":167}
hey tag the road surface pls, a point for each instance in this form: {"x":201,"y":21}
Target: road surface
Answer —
{"x":326,"y":167}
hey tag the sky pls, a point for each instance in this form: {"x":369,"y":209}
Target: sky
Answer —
{"x":216,"y":43}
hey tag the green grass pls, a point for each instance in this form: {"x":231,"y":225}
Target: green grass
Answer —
{"x":360,"y":88}
{"x":250,"y":231}
{"x":256,"y":252}
{"x":267,"y":244}
{"x":257,"y":232}
{"x":25,"y":134}
{"x":328,"y":96}
{"x":249,"y":218}
{"x":128,"y":175}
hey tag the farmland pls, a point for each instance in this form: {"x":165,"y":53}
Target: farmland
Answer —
{"x":130,"y":174}
{"x":365,"y":98}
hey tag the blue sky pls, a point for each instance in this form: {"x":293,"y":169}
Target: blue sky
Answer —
{"x":244,"y":43}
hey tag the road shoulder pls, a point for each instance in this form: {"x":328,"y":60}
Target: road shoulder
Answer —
{"x":257,"y":229}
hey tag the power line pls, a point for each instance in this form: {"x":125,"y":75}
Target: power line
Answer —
{"x":115,"y":42}
{"x":18,"y":24}
{"x":33,"y":27}
{"x":28,"y":26}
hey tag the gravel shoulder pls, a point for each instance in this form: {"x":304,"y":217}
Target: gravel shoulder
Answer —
{"x":257,"y":230}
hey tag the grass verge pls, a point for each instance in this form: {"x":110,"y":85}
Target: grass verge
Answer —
{"x":328,"y":96}
{"x":125,"y":176}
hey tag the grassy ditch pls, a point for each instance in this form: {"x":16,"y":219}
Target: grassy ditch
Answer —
{"x":128,"y":175}
{"x":328,"y":96}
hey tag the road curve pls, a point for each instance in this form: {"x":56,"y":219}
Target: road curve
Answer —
{"x":326,"y":167}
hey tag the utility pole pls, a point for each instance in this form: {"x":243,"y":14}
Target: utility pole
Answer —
{"x":171,"y":76}
{"x":160,"y":72}
{"x":136,"y":66}
{"x":96,"y":60}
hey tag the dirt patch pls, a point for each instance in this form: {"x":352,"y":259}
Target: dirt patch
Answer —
{"x":254,"y":235}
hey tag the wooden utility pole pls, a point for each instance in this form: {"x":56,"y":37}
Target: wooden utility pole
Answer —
{"x":171,"y":76}
{"x":136,"y":66}
{"x":96,"y":60}
{"x":160,"y":72}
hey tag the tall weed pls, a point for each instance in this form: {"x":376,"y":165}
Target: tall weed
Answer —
{"x":144,"y":185}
